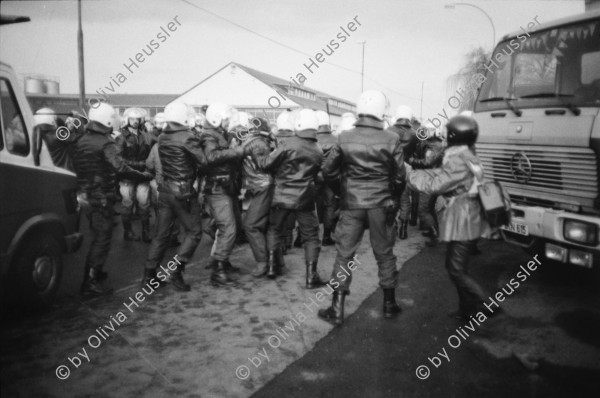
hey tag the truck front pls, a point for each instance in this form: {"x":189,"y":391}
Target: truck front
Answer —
{"x":538,"y":113}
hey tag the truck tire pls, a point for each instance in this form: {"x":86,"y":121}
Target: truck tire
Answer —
{"x":38,"y":270}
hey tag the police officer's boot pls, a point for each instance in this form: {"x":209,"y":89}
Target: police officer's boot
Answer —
{"x":128,"y":233}
{"x":146,"y":231}
{"x":312,"y":276}
{"x":271,"y":264}
{"x":91,"y":286}
{"x":298,"y":242}
{"x":176,"y":279}
{"x":390,"y":308}
{"x":403,"y":230}
{"x":335,"y":313}
{"x":327,"y":241}
{"x":220,"y":277}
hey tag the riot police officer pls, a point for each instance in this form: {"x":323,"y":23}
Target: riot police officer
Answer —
{"x":182,"y":159}
{"x":409,"y":140}
{"x":221,"y":188}
{"x":134,"y":145}
{"x":371,"y":163}
{"x":96,"y":161}
{"x":296,"y":163}
{"x":326,"y":198}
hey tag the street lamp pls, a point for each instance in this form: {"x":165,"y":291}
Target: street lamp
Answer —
{"x":452,"y":6}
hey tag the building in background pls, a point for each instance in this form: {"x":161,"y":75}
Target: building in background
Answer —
{"x":261,"y":94}
{"x":44,"y":92}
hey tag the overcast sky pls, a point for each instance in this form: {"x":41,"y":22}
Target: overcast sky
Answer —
{"x":408,"y":41}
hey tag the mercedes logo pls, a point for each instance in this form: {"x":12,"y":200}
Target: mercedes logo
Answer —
{"x":520,"y":167}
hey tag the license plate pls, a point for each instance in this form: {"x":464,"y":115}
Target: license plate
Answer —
{"x":517,"y":228}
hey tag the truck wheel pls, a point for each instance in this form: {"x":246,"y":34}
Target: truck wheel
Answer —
{"x":38,"y":270}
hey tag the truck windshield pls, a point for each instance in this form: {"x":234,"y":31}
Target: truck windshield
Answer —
{"x":559,"y":67}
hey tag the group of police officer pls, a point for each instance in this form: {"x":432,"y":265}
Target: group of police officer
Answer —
{"x":359,"y":175}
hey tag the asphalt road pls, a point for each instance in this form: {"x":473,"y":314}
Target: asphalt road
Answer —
{"x":370,"y":356}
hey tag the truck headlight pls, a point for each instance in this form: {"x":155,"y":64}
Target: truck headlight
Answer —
{"x":580,"y":232}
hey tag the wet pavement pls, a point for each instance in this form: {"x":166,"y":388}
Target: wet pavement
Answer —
{"x":168,"y":343}
{"x":265,"y":338}
{"x":546,"y":344}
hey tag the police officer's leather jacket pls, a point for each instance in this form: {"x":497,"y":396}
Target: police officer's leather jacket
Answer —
{"x":180,"y":153}
{"x":255,"y":178}
{"x":326,"y":140}
{"x":96,"y":162}
{"x":134,"y":148}
{"x":295,"y":164}
{"x":222,"y":161}
{"x":371,"y":163}
{"x":428,"y":154}
{"x":408,"y":138}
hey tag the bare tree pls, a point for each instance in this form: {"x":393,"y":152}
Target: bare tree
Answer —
{"x":475,"y":61}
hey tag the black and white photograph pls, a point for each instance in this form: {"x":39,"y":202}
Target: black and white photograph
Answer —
{"x":285,"y":198}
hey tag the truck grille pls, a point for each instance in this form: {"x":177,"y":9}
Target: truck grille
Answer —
{"x":554,"y":170}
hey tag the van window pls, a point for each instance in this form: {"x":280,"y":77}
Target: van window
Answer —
{"x":13,"y":125}
{"x":546,"y":69}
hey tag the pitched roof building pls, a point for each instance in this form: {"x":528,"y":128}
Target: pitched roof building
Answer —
{"x":262,"y":94}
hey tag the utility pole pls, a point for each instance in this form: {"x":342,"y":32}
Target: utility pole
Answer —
{"x":362,"y":71}
{"x":80,"y":58}
{"x":422,"y":85}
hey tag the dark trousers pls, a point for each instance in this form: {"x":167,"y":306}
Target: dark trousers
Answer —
{"x":309,"y":230}
{"x":470,"y":294}
{"x":222,"y":208}
{"x":101,"y":224}
{"x":255,"y":222}
{"x":348,"y":235}
{"x":290,"y":224}
{"x":426,"y":209}
{"x":328,"y":204}
{"x":188,"y":212}
{"x":405,"y":205}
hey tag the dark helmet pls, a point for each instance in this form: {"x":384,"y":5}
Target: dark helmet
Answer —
{"x":462,"y":130}
{"x":260,"y":124}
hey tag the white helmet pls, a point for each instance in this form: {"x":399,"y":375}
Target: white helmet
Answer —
{"x":160,"y":120}
{"x":45,"y":116}
{"x":323,"y":118}
{"x":284,"y":121}
{"x":403,"y":112}
{"x":373,"y":103}
{"x":347,"y":123}
{"x":306,"y":119}
{"x":135,"y":113}
{"x":220,"y":114}
{"x":239,"y":119}
{"x":177,"y":112}
{"x":106,"y":115}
